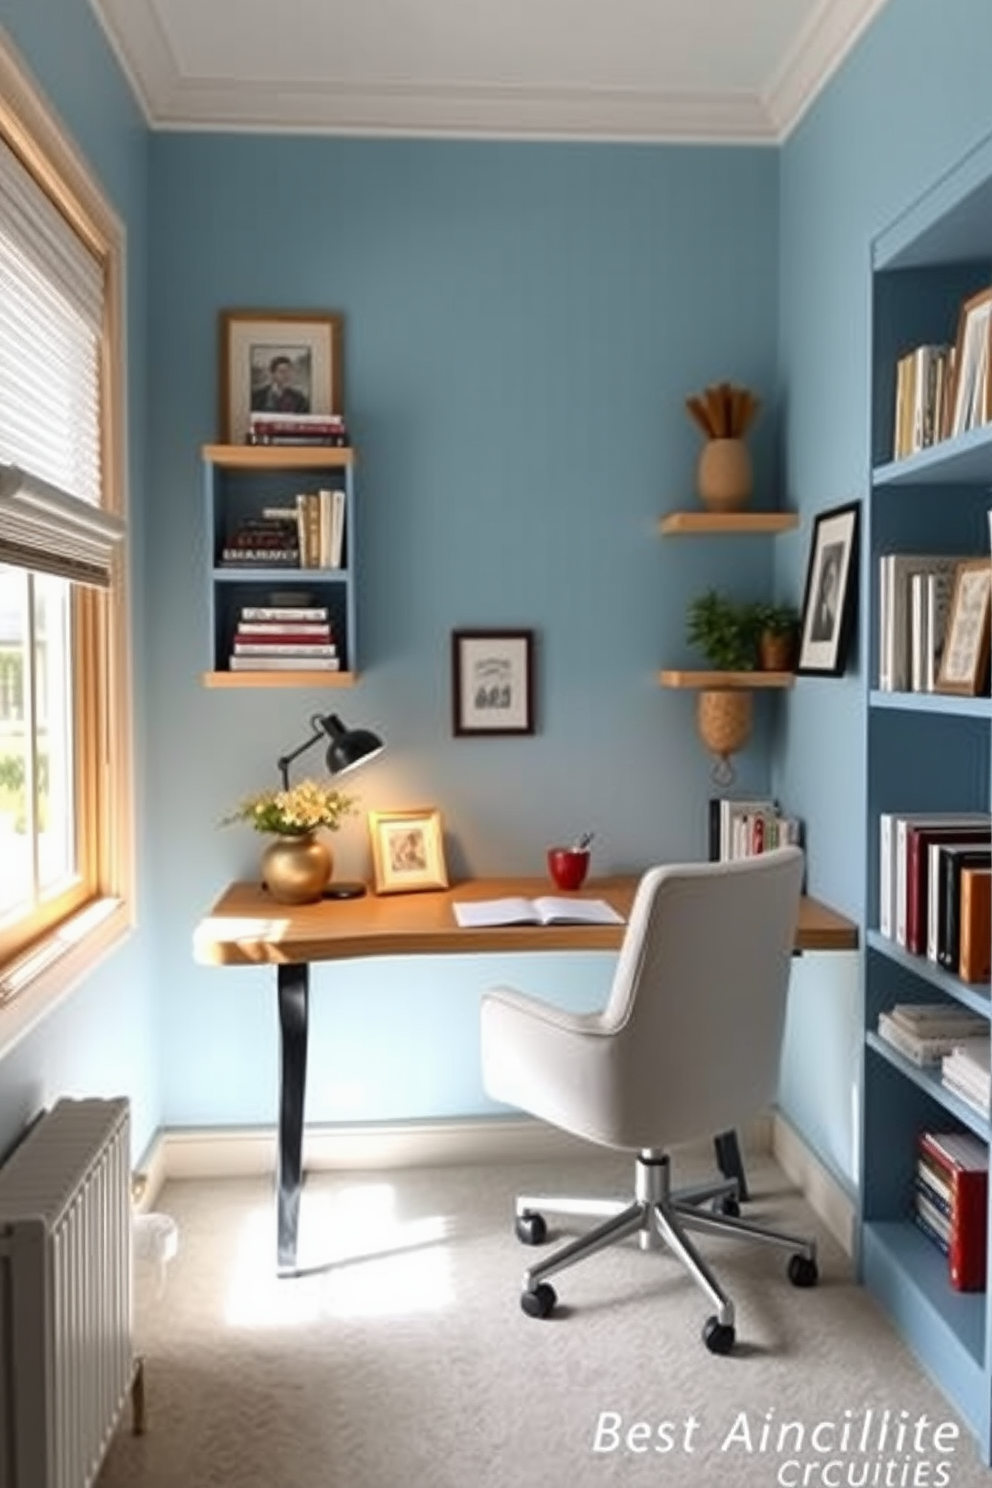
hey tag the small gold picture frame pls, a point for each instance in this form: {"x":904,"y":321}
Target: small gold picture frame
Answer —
{"x":964,"y":661}
{"x":278,"y":359}
{"x":407,"y":850}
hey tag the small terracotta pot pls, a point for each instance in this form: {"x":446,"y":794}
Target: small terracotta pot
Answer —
{"x":776,"y":652}
{"x":724,"y":475}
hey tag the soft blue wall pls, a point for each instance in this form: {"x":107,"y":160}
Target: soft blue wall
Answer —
{"x":100,"y":1041}
{"x":522,"y":324}
{"x":910,"y":101}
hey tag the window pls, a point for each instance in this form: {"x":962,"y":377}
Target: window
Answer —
{"x":65,"y":765}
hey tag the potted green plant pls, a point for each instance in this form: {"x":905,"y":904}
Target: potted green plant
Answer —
{"x":776,"y":627}
{"x":724,"y":631}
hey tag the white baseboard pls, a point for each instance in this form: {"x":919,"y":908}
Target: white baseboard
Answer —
{"x":820,"y":1188}
{"x":230,"y":1152}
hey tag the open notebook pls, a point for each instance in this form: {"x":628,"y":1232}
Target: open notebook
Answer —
{"x":547,"y":910}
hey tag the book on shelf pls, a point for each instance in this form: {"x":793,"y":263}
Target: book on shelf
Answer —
{"x":895,"y":573}
{"x":946,"y":862}
{"x":921,"y":399}
{"x":966,"y":1071}
{"x":327,"y":429}
{"x":742,"y":828}
{"x":959,"y":1162}
{"x":284,"y":630}
{"x":546,"y":910}
{"x":284,"y":612}
{"x":284,"y":664}
{"x":923,"y":1048}
{"x":913,"y":901}
{"x":255,"y":647}
{"x":930,"y":604}
{"x":937,"y":1019}
{"x":894,"y":827}
{"x":975,"y":925}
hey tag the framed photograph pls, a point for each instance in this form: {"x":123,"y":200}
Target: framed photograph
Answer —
{"x":278,"y":362}
{"x":972,"y":401}
{"x":492,"y":681}
{"x":407,"y":850}
{"x":964,"y":662}
{"x":831,"y":589}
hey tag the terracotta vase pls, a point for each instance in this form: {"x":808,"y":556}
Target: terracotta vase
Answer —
{"x":725,"y":476}
{"x":777,"y":653}
{"x":296,"y":869}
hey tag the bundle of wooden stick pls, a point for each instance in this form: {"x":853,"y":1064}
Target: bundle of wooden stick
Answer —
{"x":723,"y":410}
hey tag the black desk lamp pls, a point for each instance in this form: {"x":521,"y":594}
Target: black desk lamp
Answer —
{"x":348,"y":748}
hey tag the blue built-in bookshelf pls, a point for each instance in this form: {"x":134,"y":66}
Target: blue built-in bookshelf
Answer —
{"x":925,"y":752}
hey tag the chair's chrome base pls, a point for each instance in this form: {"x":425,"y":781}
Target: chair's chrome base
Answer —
{"x":658,"y":1215}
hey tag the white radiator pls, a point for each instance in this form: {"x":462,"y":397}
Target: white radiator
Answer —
{"x":66,"y":1356}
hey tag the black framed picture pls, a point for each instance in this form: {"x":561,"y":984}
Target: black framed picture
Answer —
{"x":492,"y":682}
{"x":830,"y":594}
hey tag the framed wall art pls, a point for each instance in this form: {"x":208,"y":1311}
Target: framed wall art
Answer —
{"x":407,"y":850}
{"x":492,"y":682}
{"x":831,"y":589}
{"x":964,"y":661}
{"x":278,"y":361}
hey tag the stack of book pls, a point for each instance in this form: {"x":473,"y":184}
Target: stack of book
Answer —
{"x":950,"y":1199}
{"x":271,"y":638}
{"x":739,"y":828}
{"x":298,"y":429}
{"x":266,"y":541}
{"x":926,"y":1032}
{"x":914,"y":596}
{"x":317,"y":519}
{"x":966,"y":1071}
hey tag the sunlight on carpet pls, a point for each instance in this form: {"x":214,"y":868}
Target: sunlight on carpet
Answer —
{"x":381,"y":1265}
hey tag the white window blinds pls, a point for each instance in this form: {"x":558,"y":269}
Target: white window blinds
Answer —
{"x":51,"y":318}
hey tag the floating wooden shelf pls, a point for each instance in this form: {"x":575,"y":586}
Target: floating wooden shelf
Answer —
{"x":280,"y":679}
{"x":715,"y":680}
{"x":277,"y":456}
{"x":680,"y":522}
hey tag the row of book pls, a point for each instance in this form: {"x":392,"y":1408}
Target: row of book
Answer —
{"x":914,"y":600}
{"x":924,"y":405}
{"x":927,"y":1033}
{"x":308,"y":534}
{"x":288,"y":429}
{"x":950,"y":1199}
{"x":741,"y":828}
{"x":965,"y":1069}
{"x":280,"y":638}
{"x":935,"y":888}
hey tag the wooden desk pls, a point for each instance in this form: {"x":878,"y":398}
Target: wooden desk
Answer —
{"x":246,"y":927}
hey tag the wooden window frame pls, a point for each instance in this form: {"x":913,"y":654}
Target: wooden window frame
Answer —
{"x":56,"y":949}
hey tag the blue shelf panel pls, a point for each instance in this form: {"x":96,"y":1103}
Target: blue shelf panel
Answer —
{"x":944,"y":1328}
{"x":932,"y":702}
{"x":927,"y":1078}
{"x":285,"y":575}
{"x":964,"y":460}
{"x":974,"y":995}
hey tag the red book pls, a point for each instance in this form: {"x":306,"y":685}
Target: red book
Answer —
{"x":962,"y":1160}
{"x":918,"y":839}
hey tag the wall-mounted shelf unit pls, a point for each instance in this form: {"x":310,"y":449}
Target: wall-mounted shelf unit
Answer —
{"x":709,"y":523}
{"x":241,"y":482}
{"x":746,"y":681}
{"x":925,"y":753}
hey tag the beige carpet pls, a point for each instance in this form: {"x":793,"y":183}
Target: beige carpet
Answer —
{"x":416,"y":1368}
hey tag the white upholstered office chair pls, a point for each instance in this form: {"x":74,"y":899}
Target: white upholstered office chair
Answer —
{"x":687,"y":1044}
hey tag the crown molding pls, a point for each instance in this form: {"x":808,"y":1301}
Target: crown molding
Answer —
{"x":173,"y":100}
{"x":830,"y":34}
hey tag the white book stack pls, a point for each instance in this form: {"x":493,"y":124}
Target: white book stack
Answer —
{"x":927,"y":1032}
{"x":896,"y":640}
{"x":967,"y":1070}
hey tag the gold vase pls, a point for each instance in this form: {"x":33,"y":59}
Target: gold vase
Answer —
{"x":296,"y":868}
{"x":724,"y":476}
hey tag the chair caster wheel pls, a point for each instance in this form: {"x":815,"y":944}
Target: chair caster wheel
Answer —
{"x":531,"y":1228}
{"x":803,"y":1271}
{"x":718,"y":1337}
{"x":539,"y":1302}
{"x":728,"y":1205}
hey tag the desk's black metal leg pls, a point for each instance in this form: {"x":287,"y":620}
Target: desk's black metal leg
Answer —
{"x":294,"y":990}
{"x":729,"y":1160}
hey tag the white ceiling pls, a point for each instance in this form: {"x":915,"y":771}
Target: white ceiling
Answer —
{"x":556,"y":69}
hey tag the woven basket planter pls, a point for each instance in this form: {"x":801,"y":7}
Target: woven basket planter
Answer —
{"x":724,"y":716}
